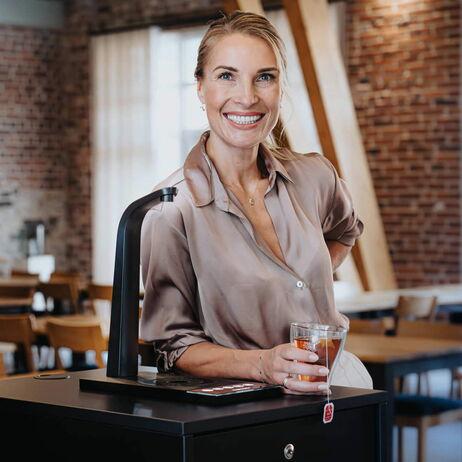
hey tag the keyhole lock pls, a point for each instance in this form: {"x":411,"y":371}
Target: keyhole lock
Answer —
{"x":289,"y":451}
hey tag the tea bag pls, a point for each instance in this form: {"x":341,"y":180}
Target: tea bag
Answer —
{"x":328,"y":413}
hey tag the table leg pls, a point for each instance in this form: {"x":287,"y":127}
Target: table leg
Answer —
{"x":383,"y":379}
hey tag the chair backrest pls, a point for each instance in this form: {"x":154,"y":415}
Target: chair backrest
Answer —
{"x":99,"y":292}
{"x":79,"y":336}
{"x":429,"y":329}
{"x":17,"y":291}
{"x":60,"y":291}
{"x":99,"y":300}
{"x":367,"y":326}
{"x":71,"y":277}
{"x":18,"y":329}
{"x":413,"y":307}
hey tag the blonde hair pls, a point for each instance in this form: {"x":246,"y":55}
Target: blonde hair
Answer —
{"x":253,"y":25}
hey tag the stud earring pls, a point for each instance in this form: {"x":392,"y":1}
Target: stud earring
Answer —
{"x":203,"y":107}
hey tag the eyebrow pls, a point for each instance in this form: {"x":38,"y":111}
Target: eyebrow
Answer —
{"x":229,"y":68}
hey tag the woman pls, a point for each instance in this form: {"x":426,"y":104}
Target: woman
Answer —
{"x":253,"y":236}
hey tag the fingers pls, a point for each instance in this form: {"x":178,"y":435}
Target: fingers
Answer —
{"x":295,"y":386}
{"x":286,"y":359}
{"x":306,"y":369}
{"x":291,"y":353}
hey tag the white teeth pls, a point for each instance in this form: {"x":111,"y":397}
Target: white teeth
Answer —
{"x":243,"y":120}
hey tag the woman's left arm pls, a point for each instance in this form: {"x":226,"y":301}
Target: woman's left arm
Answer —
{"x":338,"y":252}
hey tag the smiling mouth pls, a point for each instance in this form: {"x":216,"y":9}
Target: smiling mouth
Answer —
{"x":244,"y":120}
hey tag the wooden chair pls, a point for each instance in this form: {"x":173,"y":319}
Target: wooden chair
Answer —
{"x":98,"y":292}
{"x":441,"y":330}
{"x":64,"y":294}
{"x":415,"y":307}
{"x":17,"y":329}
{"x":422,"y":412}
{"x":71,"y":277}
{"x":80,"y":336}
{"x":368,"y":326}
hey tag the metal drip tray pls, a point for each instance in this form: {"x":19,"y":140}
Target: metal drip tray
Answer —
{"x":181,"y":387}
{"x":164,"y":380}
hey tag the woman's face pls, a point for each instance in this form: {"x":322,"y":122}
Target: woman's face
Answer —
{"x":241,"y":90}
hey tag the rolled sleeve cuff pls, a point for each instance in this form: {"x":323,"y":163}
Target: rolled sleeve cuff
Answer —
{"x":166,"y":354}
{"x":348,"y":236}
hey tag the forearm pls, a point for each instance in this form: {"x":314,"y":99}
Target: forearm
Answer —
{"x":281,"y":365}
{"x":206,"y":359}
{"x":338,"y":252}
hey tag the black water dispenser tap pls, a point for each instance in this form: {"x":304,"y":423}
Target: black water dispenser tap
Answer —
{"x":123,"y":337}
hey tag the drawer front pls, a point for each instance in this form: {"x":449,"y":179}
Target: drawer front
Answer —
{"x":354,"y":434}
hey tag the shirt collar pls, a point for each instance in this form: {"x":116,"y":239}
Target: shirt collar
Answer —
{"x":203,"y":180}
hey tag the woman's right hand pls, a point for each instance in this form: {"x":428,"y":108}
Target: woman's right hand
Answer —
{"x":283,"y":364}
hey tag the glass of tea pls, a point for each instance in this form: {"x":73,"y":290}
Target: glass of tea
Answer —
{"x":324,"y":340}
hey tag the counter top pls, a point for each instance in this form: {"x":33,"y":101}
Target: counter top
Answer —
{"x":63,"y":397}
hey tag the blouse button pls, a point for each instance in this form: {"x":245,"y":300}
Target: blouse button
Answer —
{"x":300,"y":284}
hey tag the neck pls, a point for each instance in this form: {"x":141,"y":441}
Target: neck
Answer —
{"x":235,"y":166}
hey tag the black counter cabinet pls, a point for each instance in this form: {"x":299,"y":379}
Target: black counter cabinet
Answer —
{"x":54,"y":420}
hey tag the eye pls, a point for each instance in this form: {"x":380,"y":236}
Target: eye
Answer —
{"x":266,"y":77}
{"x":225,"y":76}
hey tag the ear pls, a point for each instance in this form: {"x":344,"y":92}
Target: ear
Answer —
{"x":200,"y":93}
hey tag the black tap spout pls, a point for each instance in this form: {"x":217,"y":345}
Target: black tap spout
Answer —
{"x":123,"y":336}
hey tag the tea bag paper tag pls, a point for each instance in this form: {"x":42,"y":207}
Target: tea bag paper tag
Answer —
{"x":328,"y":414}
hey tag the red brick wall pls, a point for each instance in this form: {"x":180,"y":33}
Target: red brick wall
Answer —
{"x":30,"y":102}
{"x":404,"y":68}
{"x":33,"y":165}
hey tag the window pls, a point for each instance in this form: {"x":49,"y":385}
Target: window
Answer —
{"x":146,"y":116}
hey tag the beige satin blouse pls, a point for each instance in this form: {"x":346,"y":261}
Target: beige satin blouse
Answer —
{"x":207,"y":278}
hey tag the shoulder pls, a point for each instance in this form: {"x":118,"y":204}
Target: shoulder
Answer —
{"x":183,"y":200}
{"x":311,"y":168}
{"x":168,"y":215}
{"x":313,"y":180}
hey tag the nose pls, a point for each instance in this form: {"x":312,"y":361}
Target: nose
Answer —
{"x":246,"y":94}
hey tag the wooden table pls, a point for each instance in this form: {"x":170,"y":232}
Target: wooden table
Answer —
{"x":389,"y":357}
{"x":12,"y":305}
{"x":19,"y":281}
{"x":386,"y":300}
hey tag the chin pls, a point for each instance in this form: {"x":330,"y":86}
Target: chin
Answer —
{"x":244,"y":140}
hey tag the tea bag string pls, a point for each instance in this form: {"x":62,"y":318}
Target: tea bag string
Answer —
{"x":328,"y":376}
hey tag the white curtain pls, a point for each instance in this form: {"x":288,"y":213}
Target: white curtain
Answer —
{"x":121,"y":145}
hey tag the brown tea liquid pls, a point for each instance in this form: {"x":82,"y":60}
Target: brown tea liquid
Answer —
{"x":321,"y":347}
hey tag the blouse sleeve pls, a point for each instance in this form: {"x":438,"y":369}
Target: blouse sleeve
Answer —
{"x":341,"y":222}
{"x":169,"y":316}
